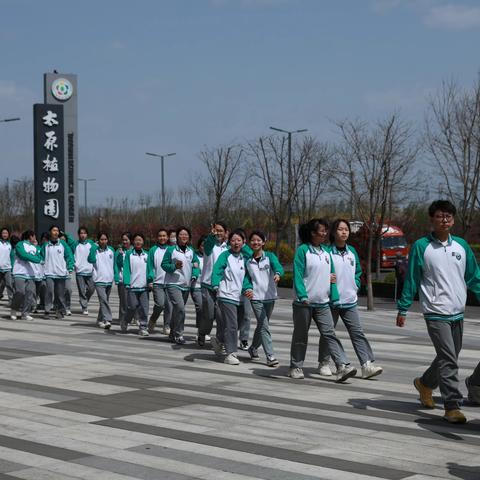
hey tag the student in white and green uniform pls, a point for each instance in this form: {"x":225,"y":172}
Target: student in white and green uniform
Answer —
{"x":215,"y":244}
{"x":119,"y":259}
{"x":314,"y":291}
{"x":137,"y":278}
{"x":39,"y":300}
{"x":26,"y":255}
{"x":6,"y":282}
{"x":105,"y":272}
{"x":265,"y":272}
{"x":230,"y":280}
{"x":441,"y":268}
{"x":181,"y":265}
{"x":161,"y":302}
{"x":83,"y":269}
{"x":347,"y":278}
{"x":196,"y":289}
{"x":59,"y":263}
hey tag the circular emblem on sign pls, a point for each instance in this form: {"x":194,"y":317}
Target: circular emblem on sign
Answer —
{"x":62,"y":89}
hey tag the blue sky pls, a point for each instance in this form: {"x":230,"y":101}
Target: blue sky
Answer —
{"x":162,"y":76}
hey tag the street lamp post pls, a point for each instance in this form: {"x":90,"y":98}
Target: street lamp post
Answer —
{"x":162,"y":158}
{"x":4,"y":120}
{"x":289,"y":178}
{"x":85,"y":183}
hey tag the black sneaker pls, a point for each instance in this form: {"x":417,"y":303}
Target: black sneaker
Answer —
{"x":201,"y":340}
{"x":272,"y":361}
{"x":243,"y":345}
{"x":180,"y":341}
{"x":253,"y":353}
{"x":171,"y":337}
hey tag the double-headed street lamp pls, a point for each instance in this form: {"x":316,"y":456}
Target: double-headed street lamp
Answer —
{"x":289,"y":179}
{"x":162,"y":158}
{"x":85,"y":183}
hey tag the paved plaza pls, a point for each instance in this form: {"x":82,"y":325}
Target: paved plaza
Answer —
{"x":79,"y":402}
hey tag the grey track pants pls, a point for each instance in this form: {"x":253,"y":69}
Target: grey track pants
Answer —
{"x":443,"y":372}
{"x":229,"y":313}
{"x":6,"y":283}
{"x":86,"y":289}
{"x":210,"y":313}
{"x":24,"y":295}
{"x":137,"y":302}
{"x":104,"y":310}
{"x":178,"y":298}
{"x":262,"y":336}
{"x":302,"y":318}
{"x":55,"y":292}
{"x":351,"y":320}
{"x":161,"y":303}
{"x":196,"y":295}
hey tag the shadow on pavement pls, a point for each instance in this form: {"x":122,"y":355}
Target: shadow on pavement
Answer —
{"x":463,"y":471}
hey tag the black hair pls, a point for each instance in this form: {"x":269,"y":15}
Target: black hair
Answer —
{"x":128,"y":235}
{"x":14,"y":239}
{"x":27,"y":234}
{"x":238,"y":231}
{"x":171,"y":231}
{"x":54,"y":226}
{"x":179,"y":229}
{"x":82,"y":228}
{"x":201,"y":240}
{"x":141,"y":235}
{"x":222,"y":224}
{"x":258,"y":233}
{"x":45,"y":236}
{"x":305,"y":231}
{"x":334,"y":227}
{"x":162,"y":229}
{"x":442,"y":206}
{"x":5,"y":228}
{"x":102,"y":233}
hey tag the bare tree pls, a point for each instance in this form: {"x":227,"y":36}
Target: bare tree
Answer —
{"x":453,"y":139}
{"x":378,"y":165}
{"x":223,"y":176}
{"x":275,"y":187}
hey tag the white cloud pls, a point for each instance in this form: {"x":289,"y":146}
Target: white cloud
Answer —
{"x":453,"y":17}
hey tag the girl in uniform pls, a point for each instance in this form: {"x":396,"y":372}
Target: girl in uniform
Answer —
{"x":105,"y":271}
{"x":6,"y":282}
{"x":119,"y":258}
{"x":265,"y":272}
{"x":230,"y":280}
{"x":181,"y":265}
{"x":196,"y":290}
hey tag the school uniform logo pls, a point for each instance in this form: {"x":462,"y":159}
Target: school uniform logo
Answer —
{"x":352,"y":263}
{"x":59,"y":251}
{"x":327,"y":260}
{"x":458,"y":256}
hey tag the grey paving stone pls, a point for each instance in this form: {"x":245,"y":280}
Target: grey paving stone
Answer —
{"x":6,"y":466}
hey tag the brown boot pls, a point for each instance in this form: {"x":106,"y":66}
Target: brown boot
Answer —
{"x":426,"y":398}
{"x":454,"y":416}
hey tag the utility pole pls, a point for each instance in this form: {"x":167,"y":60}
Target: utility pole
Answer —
{"x":162,"y":158}
{"x":85,"y":183}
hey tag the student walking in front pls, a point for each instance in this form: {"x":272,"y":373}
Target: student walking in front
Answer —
{"x":59,"y":262}
{"x":121,"y":290}
{"x":265,"y":272}
{"x":6,"y":252}
{"x":137,"y":278}
{"x":102,"y":257}
{"x":215,"y":244}
{"x":230,"y":281}
{"x":161,"y":302}
{"x":441,"y":268}
{"x":181,"y":265}
{"x":196,"y":289}
{"x":314,"y":291}
{"x":27,"y":255}
{"x":347,"y":274}
{"x":83,"y":269}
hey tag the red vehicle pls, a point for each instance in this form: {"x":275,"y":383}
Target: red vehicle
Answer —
{"x":393,"y":243}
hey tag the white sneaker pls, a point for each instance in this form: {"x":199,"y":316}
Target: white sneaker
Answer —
{"x":13,"y":315}
{"x":296,"y":373}
{"x":101,"y":324}
{"x":85,"y":312}
{"x":345,"y":372}
{"x":68,"y":313}
{"x":207,"y":338}
{"x":370,"y":370}
{"x":232,"y":359}
{"x":166,"y":330}
{"x":324,"y":369}
{"x":28,"y":318}
{"x":107,"y":326}
{"x":143,"y":333}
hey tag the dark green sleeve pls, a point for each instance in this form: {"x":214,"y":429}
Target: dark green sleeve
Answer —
{"x":126,"y":269}
{"x":68,"y":255}
{"x":209,"y":243}
{"x":275,"y":263}
{"x":247,"y":281}
{"x":219,"y":268}
{"x":92,"y":255}
{"x":24,"y":255}
{"x":334,"y":296}
{"x":167,"y":263}
{"x":299,"y":264}
{"x":472,"y":272}
{"x":196,"y":267}
{"x":358,"y":267}
{"x":71,"y":242}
